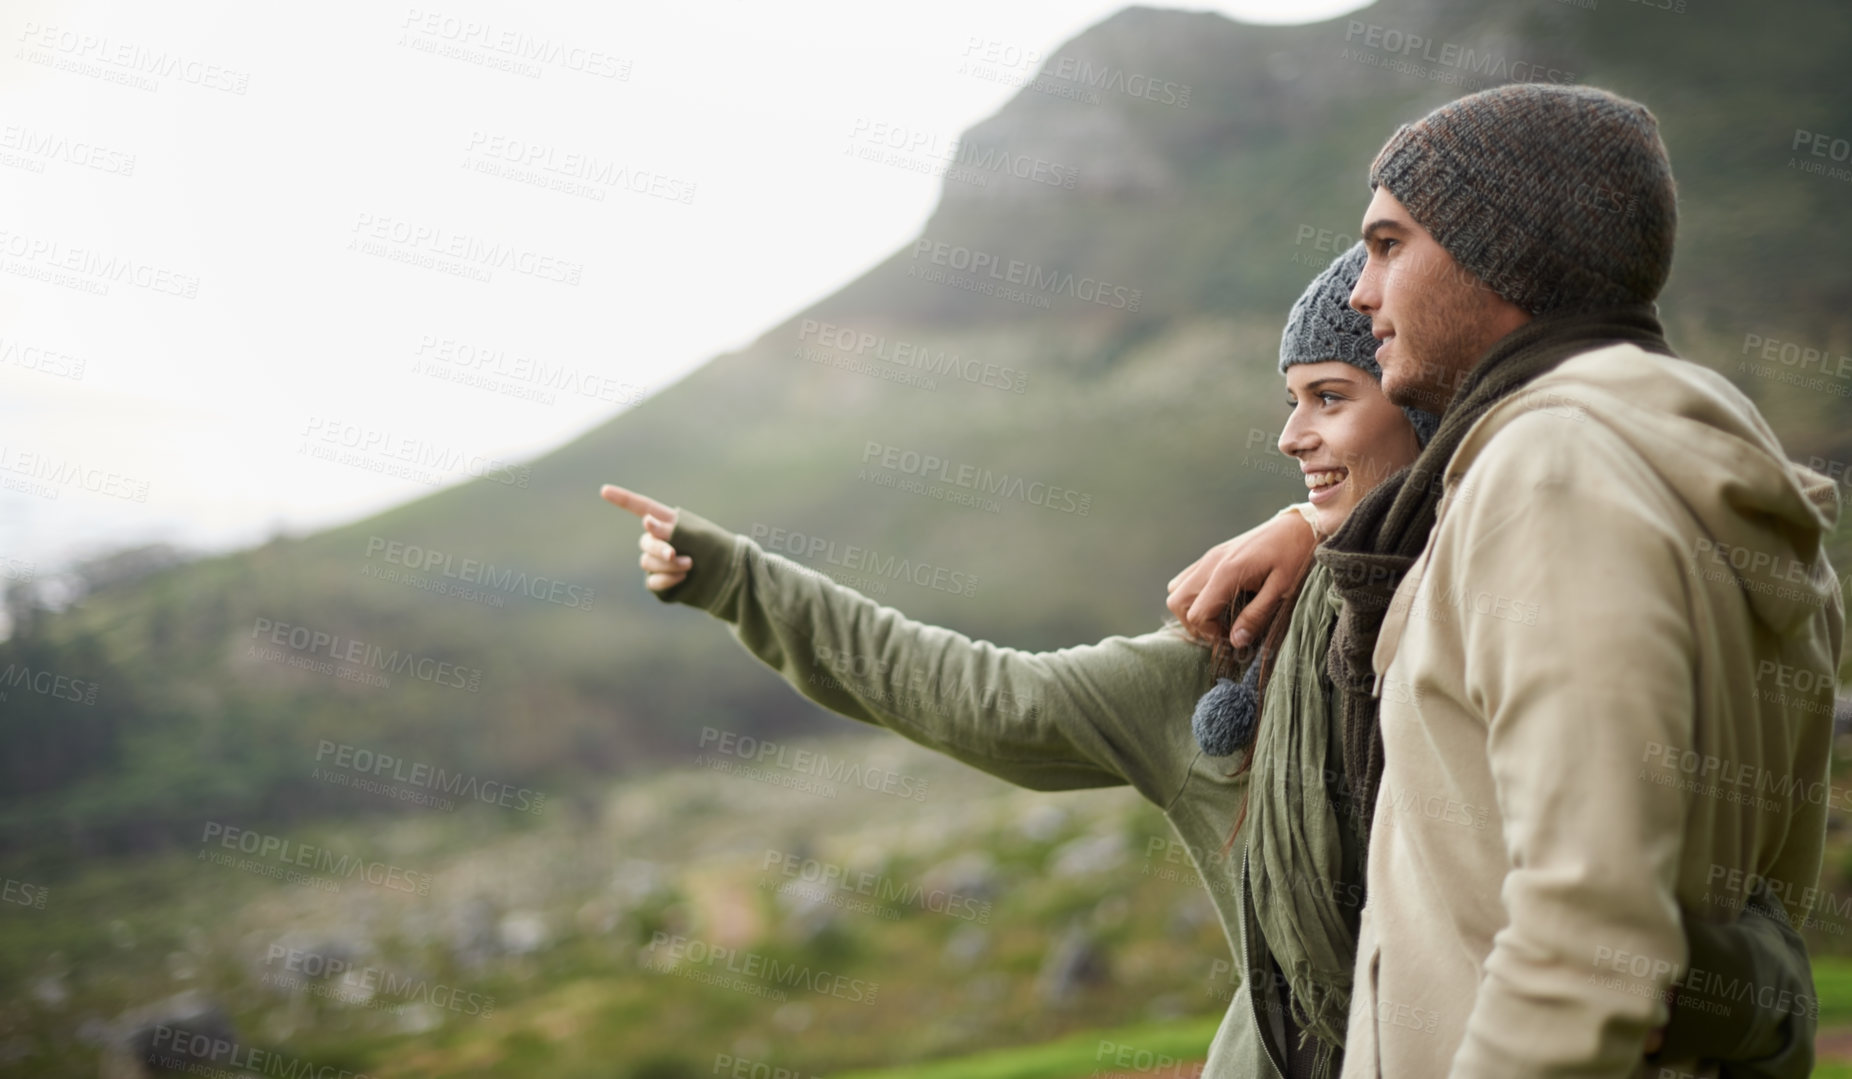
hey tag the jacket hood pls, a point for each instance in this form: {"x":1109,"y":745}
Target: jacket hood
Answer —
{"x":1763,"y":517}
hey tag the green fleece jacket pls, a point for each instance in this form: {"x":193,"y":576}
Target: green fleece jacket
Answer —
{"x":1098,"y":715}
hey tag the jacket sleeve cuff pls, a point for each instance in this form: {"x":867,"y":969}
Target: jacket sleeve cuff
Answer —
{"x":719,"y":558}
{"x":1307,"y":513}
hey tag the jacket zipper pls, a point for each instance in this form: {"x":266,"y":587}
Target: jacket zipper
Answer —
{"x":1247,"y":957}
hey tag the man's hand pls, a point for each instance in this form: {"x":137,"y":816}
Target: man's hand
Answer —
{"x":1264,"y":561}
{"x":666,"y":569}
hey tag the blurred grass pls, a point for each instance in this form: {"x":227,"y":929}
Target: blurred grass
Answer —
{"x":1832,"y":981}
{"x":1188,"y":1041}
{"x":1184,"y":1041}
{"x":129,"y":932}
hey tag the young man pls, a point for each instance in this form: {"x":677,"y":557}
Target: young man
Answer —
{"x":1590,"y":639}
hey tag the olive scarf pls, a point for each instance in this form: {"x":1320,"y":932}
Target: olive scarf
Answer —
{"x":1306,"y":845}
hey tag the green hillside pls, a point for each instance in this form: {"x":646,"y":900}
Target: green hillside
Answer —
{"x":1141,"y":339}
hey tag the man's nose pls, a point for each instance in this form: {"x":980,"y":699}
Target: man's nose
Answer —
{"x":1363,"y":297}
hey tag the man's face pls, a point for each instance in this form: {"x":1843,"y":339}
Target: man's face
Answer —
{"x":1435,"y":320}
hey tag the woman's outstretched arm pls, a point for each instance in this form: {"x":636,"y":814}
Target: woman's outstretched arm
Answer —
{"x":1090,"y":716}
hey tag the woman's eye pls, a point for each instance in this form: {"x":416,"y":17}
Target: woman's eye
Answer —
{"x":1329,"y":398}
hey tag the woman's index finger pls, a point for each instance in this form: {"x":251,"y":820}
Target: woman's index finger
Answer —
{"x":640,"y":504}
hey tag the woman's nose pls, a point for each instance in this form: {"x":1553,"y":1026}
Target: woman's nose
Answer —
{"x":1296,"y":438}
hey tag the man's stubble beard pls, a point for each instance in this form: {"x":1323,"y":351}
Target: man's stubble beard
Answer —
{"x":1450,"y":336}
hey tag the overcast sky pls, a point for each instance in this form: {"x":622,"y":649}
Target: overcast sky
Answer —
{"x":239,"y":238}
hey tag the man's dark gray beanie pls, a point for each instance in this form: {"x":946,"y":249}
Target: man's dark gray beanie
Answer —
{"x":1323,"y":326}
{"x":1557,"y":197}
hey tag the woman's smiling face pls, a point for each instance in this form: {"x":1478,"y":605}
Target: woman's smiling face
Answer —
{"x":1345,"y":434}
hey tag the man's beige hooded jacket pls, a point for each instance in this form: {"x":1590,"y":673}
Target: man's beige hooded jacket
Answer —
{"x":1607,"y":691}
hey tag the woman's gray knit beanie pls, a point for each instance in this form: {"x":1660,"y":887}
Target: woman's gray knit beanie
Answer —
{"x":1557,"y":197}
{"x":1323,"y":326}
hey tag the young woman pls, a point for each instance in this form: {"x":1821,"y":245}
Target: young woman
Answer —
{"x":1249,"y":773}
